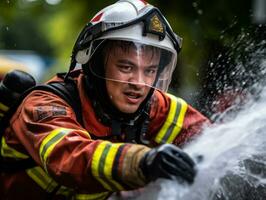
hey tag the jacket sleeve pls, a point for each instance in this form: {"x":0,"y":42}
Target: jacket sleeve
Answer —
{"x":193,"y":124}
{"x":175,"y":121}
{"x":45,"y":127}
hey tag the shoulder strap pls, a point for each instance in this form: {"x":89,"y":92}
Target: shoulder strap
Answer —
{"x":67,"y":91}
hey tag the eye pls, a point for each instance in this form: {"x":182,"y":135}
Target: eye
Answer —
{"x":125,"y":68}
{"x":151,"y":71}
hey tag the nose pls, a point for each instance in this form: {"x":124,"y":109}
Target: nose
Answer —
{"x":136,"y":86}
{"x":137,"y":79}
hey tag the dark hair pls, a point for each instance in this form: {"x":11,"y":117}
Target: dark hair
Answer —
{"x":111,"y":45}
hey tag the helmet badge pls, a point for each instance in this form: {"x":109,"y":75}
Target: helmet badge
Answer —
{"x":156,"y":25}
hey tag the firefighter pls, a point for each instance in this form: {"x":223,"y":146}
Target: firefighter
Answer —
{"x":131,"y":127}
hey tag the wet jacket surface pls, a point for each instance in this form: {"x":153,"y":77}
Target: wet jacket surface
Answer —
{"x":69,"y":162}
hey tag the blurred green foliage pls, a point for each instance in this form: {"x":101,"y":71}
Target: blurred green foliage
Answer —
{"x":51,"y":30}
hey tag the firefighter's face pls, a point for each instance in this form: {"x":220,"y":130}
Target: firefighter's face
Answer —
{"x":130,"y":73}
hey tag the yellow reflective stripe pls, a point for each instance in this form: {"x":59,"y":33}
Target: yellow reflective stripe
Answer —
{"x":178,"y":126}
{"x":42,"y":179}
{"x":96,"y":196}
{"x":174,"y":121}
{"x":3,"y":107}
{"x":7,"y":151}
{"x":50,"y":142}
{"x":96,"y":162}
{"x":102,"y":165}
{"x":70,"y":194}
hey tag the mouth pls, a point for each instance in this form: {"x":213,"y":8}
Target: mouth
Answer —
{"x":133,"y":97}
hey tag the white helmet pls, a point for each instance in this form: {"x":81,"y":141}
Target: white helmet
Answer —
{"x":138,"y":23}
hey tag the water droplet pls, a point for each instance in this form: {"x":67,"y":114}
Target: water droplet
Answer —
{"x":194,"y":4}
{"x":7,"y":28}
{"x":200,"y":12}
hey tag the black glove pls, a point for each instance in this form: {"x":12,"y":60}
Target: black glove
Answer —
{"x":168,"y":161}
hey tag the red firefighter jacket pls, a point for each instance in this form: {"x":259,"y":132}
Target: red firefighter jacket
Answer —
{"x":70,"y":163}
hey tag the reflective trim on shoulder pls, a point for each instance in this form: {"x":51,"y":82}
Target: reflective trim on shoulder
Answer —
{"x":96,"y":196}
{"x":7,"y":151}
{"x":40,"y":177}
{"x":50,"y":142}
{"x":103,"y":165}
{"x":174,"y":121}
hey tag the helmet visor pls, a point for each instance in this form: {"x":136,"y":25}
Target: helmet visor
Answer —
{"x":135,"y":63}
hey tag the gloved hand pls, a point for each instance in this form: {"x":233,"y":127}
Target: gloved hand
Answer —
{"x":168,"y":161}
